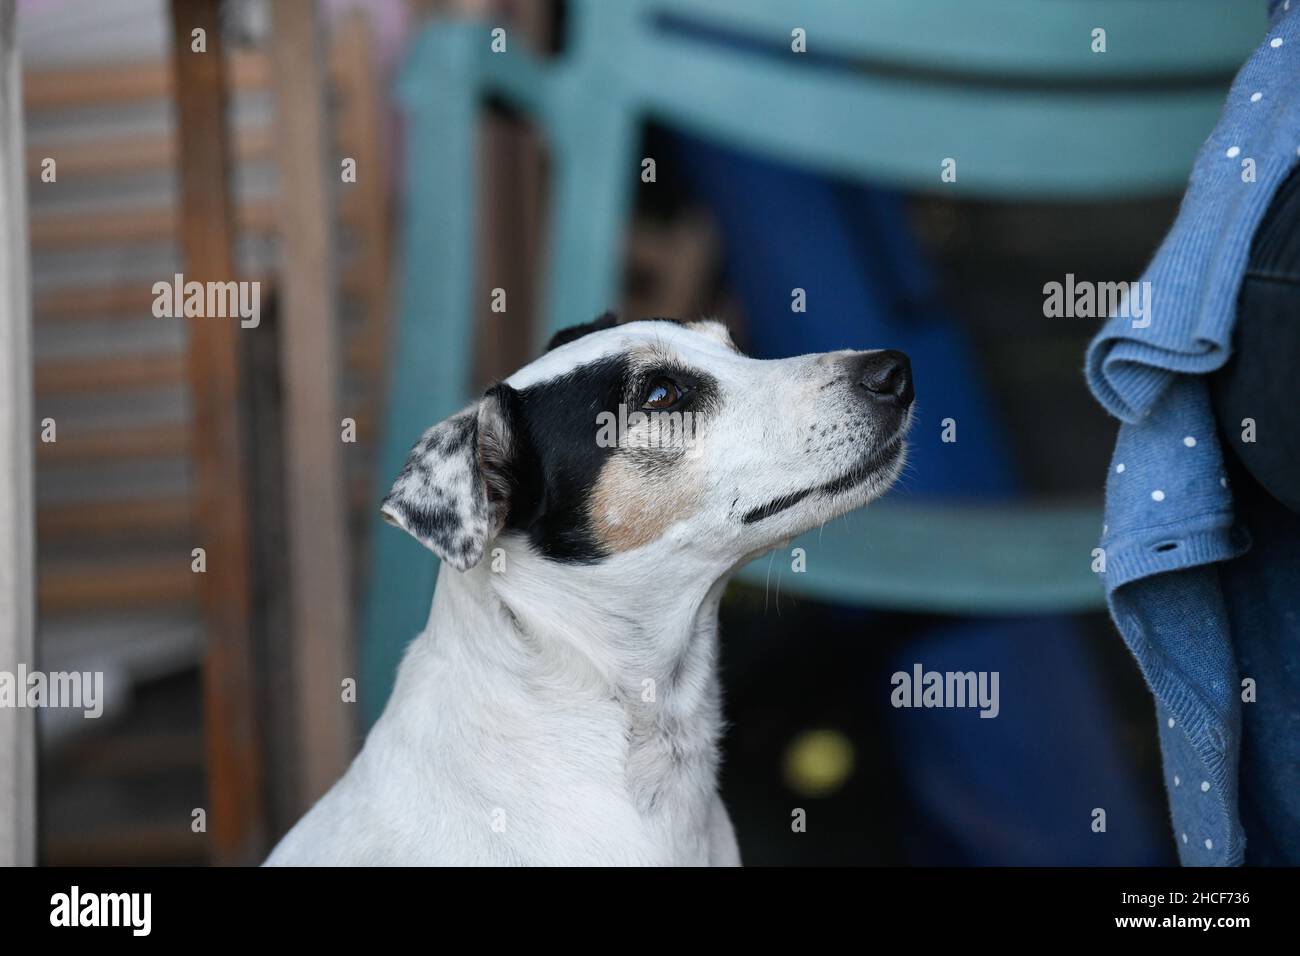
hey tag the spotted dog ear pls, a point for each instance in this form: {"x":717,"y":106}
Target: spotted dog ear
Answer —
{"x":453,"y":492}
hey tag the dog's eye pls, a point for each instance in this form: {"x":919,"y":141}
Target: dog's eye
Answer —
{"x":661,"y":393}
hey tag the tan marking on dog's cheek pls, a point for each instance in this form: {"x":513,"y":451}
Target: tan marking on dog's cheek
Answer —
{"x":632,"y":505}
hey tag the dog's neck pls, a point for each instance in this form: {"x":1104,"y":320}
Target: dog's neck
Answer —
{"x":610,"y":636}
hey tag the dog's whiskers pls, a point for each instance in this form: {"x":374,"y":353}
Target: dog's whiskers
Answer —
{"x":767,"y":581}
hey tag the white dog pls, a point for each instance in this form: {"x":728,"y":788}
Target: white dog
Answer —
{"x":562,"y":705}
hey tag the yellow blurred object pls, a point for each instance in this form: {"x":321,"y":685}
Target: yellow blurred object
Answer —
{"x":818,"y":762}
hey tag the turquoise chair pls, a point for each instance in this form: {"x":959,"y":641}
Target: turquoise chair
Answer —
{"x":888,"y":90}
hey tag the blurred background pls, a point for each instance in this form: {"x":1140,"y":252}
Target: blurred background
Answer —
{"x":817,"y":175}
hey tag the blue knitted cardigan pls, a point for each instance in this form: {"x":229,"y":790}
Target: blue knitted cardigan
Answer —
{"x":1169,"y":509}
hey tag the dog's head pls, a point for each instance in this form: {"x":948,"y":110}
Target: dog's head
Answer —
{"x":656,"y":436}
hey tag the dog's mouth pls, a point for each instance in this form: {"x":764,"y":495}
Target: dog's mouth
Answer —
{"x":873,"y":464}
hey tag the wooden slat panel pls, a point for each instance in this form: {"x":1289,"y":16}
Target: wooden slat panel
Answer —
{"x":153,"y":843}
{"x":315,"y":510}
{"x":117,"y":228}
{"x":158,"y":370}
{"x":360,"y":135}
{"x":95,"y":85}
{"x":63,"y":88}
{"x":124,"y":83}
{"x":71,"y":303}
{"x":85,"y":586}
{"x":132,"y":154}
{"x":234,"y":767}
{"x":127,"y":755}
{"x":79,"y":302}
{"x":120,"y":372}
{"x":149,"y":441}
{"x":69,"y":587}
{"x":102,"y":157}
{"x":151,"y":518}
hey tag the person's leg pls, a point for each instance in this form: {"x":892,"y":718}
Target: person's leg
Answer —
{"x":1260,"y":381}
{"x":1257,"y":396}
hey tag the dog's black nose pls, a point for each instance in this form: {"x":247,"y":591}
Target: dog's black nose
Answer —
{"x":887,"y":377}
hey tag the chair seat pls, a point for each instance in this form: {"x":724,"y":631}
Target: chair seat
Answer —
{"x":940,"y":558}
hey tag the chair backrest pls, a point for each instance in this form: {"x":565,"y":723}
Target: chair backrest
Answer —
{"x":1006,"y":38}
{"x":1020,"y":93}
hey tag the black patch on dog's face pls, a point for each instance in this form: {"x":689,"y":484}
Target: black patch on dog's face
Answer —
{"x":556,"y":460}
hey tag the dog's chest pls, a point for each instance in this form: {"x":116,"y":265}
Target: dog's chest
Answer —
{"x":671,"y":778}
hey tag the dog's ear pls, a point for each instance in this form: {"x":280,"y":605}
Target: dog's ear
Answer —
{"x":573,"y":332}
{"x":453,"y":492}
